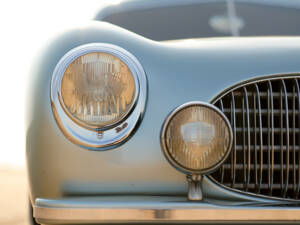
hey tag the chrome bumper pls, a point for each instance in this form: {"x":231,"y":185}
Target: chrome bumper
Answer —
{"x":121,"y":209}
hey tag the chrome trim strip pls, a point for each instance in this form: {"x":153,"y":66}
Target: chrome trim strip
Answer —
{"x":111,"y":136}
{"x":174,"y":214}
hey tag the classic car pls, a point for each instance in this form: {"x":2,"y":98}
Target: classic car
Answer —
{"x":160,"y":112}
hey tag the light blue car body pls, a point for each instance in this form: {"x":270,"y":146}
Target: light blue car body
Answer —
{"x":177,"y":72}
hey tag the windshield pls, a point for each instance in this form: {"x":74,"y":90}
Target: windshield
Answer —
{"x":210,"y":19}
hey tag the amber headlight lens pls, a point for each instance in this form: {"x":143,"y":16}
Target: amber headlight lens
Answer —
{"x":98,"y":89}
{"x":196,"y":137}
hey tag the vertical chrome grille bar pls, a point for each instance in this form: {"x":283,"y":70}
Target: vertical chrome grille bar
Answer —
{"x":244,"y":143}
{"x":255,"y":142}
{"x":287,"y":140}
{"x":294,"y":141}
{"x":269,"y":138}
{"x":272,"y":135}
{"x":222,"y":167}
{"x":281,"y":140}
{"x":248,"y":139}
{"x":298,"y":102}
{"x":233,"y":169}
{"x":260,"y":139}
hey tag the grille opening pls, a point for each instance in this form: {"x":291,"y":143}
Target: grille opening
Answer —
{"x":265,"y":156}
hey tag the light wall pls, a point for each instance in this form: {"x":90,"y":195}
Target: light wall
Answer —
{"x":25,"y":27}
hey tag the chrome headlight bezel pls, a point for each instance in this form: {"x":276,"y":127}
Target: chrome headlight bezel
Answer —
{"x":89,"y":136}
{"x":173,"y":161}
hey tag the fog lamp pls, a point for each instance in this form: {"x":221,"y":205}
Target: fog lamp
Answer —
{"x":196,"y":138}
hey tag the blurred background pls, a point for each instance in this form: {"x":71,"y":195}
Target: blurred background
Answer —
{"x":26,"y":26}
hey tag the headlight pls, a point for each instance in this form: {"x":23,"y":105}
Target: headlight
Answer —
{"x":98,"y":89}
{"x":196,"y":138}
{"x":98,"y":95}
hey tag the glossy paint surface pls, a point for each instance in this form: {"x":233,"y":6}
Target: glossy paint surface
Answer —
{"x":194,"y":70}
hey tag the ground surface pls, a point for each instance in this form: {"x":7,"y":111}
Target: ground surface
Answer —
{"x":13,"y":196}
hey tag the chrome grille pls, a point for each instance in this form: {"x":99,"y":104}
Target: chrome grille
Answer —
{"x":265,"y":119}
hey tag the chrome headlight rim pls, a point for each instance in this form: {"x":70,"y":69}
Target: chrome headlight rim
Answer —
{"x":89,"y":136}
{"x":175,"y":163}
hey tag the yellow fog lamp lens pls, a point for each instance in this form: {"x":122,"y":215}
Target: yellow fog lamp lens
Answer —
{"x":98,"y":89}
{"x":196,"y":138}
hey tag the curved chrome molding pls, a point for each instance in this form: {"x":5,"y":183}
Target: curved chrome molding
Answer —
{"x":253,"y":81}
{"x":233,"y":88}
{"x":263,"y":198}
{"x":111,"y":136}
{"x":172,"y":161}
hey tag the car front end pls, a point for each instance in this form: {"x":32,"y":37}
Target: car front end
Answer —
{"x":99,"y":149}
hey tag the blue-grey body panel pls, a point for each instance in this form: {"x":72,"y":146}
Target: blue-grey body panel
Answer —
{"x":176,"y":72}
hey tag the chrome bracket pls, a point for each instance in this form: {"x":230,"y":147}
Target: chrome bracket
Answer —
{"x":194,"y":187}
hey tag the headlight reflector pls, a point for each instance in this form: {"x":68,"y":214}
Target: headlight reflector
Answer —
{"x":98,"y":89}
{"x":196,"y":138}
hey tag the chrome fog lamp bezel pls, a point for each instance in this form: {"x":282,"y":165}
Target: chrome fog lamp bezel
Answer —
{"x":91,"y":136}
{"x":172,"y":161}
